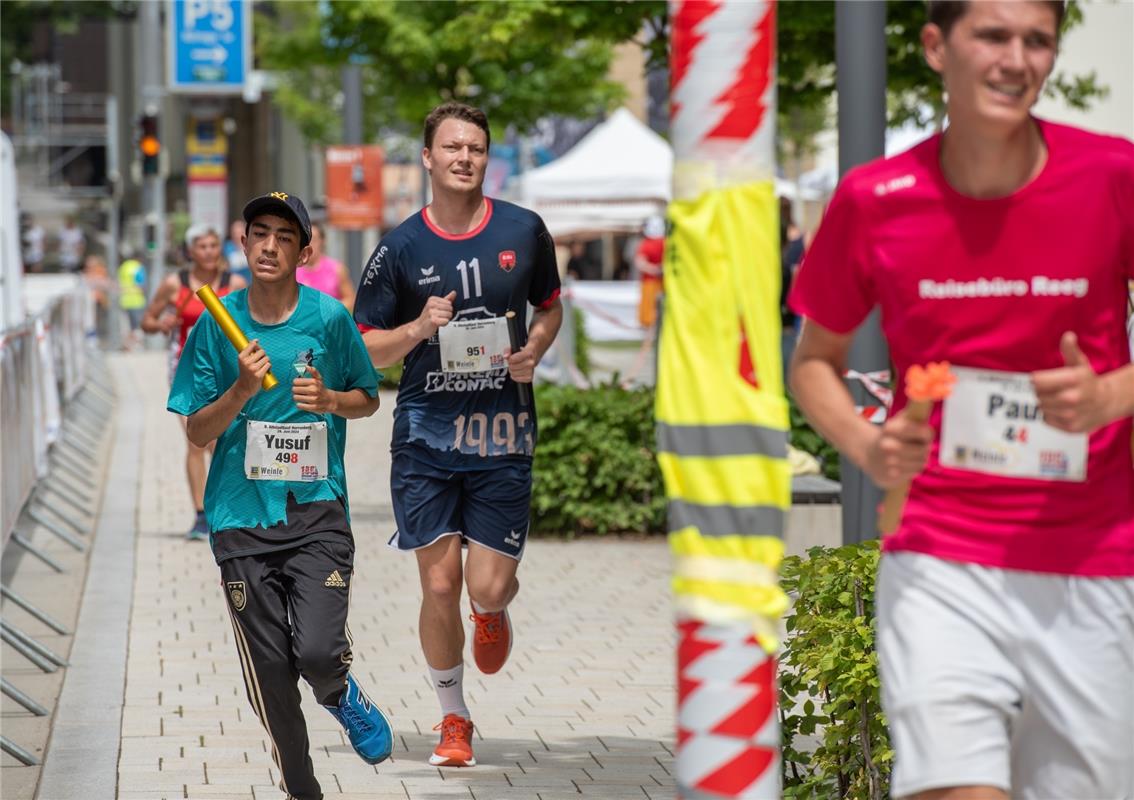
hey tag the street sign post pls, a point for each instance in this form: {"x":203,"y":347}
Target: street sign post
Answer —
{"x":210,"y":46}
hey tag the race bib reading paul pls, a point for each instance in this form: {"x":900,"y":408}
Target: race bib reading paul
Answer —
{"x":991,"y":423}
{"x":285,"y":451}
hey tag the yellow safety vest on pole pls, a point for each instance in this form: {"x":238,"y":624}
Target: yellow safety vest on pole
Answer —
{"x":722,"y":416}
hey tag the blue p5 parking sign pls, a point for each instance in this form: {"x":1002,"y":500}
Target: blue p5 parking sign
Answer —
{"x":210,"y":45}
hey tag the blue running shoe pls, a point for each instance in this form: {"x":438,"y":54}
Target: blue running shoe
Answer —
{"x":366,"y":726}
{"x":200,"y":529}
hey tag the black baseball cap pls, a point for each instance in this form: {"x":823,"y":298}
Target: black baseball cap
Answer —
{"x":281,"y":204}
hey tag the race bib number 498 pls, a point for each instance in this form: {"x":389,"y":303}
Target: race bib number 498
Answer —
{"x":283,"y":451}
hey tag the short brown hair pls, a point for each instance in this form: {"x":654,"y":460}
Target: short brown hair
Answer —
{"x":945,"y":13}
{"x":454,"y":110}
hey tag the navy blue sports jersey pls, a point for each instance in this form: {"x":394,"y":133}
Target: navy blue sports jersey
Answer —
{"x":456,"y":420}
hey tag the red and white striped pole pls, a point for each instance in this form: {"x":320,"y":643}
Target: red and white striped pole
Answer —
{"x":722,"y":329}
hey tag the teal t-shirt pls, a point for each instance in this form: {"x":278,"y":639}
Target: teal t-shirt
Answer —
{"x":320,"y":327}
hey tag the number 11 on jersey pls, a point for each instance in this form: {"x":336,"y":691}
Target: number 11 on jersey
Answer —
{"x":464,"y":268}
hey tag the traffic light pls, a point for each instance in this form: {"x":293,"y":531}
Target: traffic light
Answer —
{"x":149,"y":144}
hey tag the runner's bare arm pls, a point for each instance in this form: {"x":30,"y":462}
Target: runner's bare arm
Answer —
{"x":541,"y":333}
{"x":890,"y":454}
{"x":1076,"y":399}
{"x":311,"y":394}
{"x":206,"y":424}
{"x":152,"y":319}
{"x":388,"y":347}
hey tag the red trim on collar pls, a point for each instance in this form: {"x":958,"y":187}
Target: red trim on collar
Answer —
{"x":456,"y":237}
{"x":546,"y":304}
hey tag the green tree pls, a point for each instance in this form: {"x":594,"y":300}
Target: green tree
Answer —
{"x":806,"y":64}
{"x":518,"y":61}
{"x":524,"y":60}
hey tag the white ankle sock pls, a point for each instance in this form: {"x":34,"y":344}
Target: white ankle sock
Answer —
{"x":476,"y":606}
{"x":450,"y":691}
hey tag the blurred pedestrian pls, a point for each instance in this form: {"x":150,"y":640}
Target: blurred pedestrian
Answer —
{"x":791,"y":256}
{"x":648,"y":263}
{"x":277,"y":494}
{"x":325,"y":273}
{"x":1002,"y":246}
{"x":131,"y":294}
{"x":72,"y":245}
{"x":97,"y":278}
{"x":435,"y":295}
{"x":174,"y":310}
{"x":32,"y":239}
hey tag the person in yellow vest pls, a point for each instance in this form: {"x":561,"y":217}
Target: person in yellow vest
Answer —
{"x":132,"y":295}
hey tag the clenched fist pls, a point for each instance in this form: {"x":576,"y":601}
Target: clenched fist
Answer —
{"x":436,"y":314}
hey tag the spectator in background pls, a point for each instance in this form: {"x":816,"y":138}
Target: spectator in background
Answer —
{"x":131,"y":294}
{"x":234,"y":251}
{"x":791,"y":255}
{"x":72,"y":246}
{"x":174,"y":310}
{"x":648,"y":263}
{"x":581,"y":266}
{"x":325,"y":273}
{"x":97,"y":278}
{"x":31,"y":239}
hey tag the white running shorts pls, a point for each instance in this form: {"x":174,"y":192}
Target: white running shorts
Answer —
{"x":995,"y":677}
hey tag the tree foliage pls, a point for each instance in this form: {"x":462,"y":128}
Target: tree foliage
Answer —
{"x":806,"y":63}
{"x":521,"y":61}
{"x":518,"y":61}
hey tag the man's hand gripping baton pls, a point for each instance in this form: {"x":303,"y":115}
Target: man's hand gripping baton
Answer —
{"x":924,"y":386}
{"x":230,"y":328}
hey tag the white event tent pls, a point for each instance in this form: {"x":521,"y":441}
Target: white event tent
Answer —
{"x":612,"y":180}
{"x":616,"y":177}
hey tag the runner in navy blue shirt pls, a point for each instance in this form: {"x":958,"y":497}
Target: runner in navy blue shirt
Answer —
{"x":436,"y":293}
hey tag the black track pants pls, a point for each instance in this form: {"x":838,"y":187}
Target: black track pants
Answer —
{"x":289,"y":614}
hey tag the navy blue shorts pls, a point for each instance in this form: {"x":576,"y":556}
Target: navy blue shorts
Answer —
{"x":491,"y":506}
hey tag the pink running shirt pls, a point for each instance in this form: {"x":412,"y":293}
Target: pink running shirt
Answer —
{"x":993,"y":284}
{"x":324,"y":276}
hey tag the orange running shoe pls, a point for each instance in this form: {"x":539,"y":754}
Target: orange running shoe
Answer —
{"x":492,"y":640}
{"x":455,"y":748}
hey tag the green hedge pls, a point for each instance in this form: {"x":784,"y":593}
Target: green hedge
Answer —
{"x":835,"y":741}
{"x":595,"y":469}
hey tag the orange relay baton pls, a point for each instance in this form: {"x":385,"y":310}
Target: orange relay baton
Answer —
{"x":230,"y":328}
{"x":924,"y":386}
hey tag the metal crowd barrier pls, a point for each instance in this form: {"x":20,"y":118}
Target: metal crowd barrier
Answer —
{"x":53,"y":412}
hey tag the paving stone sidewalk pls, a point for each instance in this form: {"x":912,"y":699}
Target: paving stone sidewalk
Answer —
{"x":584,"y":708}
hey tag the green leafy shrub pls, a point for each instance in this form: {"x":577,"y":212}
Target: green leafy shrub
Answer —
{"x":803,"y":437}
{"x":595,"y":469}
{"x":835,"y":742}
{"x":391,"y":376}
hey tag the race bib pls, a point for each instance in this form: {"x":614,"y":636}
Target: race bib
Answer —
{"x":473,"y":345}
{"x":992,"y":423}
{"x":285,"y":451}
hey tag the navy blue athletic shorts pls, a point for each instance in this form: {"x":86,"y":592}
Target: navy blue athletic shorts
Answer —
{"x":489,"y":506}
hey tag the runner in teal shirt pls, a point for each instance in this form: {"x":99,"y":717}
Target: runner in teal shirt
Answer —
{"x":320,"y":332}
{"x":276,"y":497}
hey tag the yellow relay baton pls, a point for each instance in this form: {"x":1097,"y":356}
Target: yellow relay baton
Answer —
{"x":230,"y":328}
